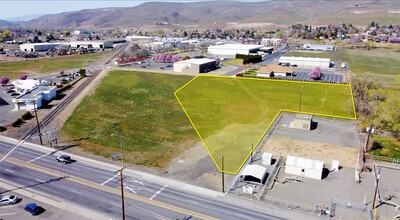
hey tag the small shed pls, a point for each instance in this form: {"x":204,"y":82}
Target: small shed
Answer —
{"x":300,"y":166}
{"x":302,"y":121}
{"x":255,"y":174}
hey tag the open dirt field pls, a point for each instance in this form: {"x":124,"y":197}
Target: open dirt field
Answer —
{"x":314,"y":150}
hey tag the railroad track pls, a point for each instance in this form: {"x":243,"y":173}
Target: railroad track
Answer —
{"x":47,"y":119}
{"x":53,"y":114}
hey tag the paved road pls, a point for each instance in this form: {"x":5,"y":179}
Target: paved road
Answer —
{"x":93,"y":185}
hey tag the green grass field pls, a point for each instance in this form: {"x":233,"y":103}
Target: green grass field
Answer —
{"x":48,"y":65}
{"x":361,"y":61}
{"x":231,"y":114}
{"x":155,"y":129}
{"x":386,"y":146}
{"x":236,"y":62}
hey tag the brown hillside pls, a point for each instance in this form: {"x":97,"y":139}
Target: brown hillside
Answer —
{"x":204,"y":14}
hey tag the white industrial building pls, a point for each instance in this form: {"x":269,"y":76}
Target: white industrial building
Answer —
{"x":230,"y":50}
{"x":300,"y":166}
{"x":306,"y":62}
{"x":271,"y":41}
{"x":195,"y":66}
{"x":91,"y":44}
{"x":38,"y":47}
{"x":319,"y":47}
{"x":32,"y":93}
{"x":139,"y":38}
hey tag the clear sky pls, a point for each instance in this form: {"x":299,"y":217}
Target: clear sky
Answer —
{"x":18,"y":8}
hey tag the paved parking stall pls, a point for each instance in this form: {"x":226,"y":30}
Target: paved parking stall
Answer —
{"x":334,"y":78}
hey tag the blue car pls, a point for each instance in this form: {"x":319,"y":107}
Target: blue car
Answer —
{"x":33,"y":208}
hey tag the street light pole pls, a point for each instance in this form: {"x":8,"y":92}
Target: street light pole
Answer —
{"x":37,"y":122}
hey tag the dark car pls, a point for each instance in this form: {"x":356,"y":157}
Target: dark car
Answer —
{"x":33,"y":208}
{"x":64,"y":158}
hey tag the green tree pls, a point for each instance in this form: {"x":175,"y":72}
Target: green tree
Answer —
{"x":36,"y":39}
{"x":66,"y":33}
{"x":82,"y":72}
{"x":6,"y":33}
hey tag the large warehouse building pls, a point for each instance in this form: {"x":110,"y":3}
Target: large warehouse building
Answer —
{"x":230,"y":50}
{"x":319,"y":47}
{"x":195,"y":66}
{"x":91,"y":44}
{"x":38,"y":47}
{"x":306,"y":62}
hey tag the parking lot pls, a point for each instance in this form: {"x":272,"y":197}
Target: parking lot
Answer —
{"x":334,"y":78}
{"x":17,"y":212}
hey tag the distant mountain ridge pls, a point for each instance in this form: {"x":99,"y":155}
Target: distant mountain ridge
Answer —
{"x":23,"y":18}
{"x":223,"y":13}
{"x":5,"y":24}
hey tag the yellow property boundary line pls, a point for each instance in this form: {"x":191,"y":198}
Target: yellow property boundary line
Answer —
{"x":276,"y":116}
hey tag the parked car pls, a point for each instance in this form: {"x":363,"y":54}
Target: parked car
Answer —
{"x":64,"y":158}
{"x":293,"y":65}
{"x":33,"y":208}
{"x":8,"y":200}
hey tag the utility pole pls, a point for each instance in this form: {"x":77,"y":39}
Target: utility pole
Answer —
{"x":122,"y":192}
{"x":120,"y":145}
{"x":37,"y":122}
{"x":223,"y":178}
{"x":369,"y":135}
{"x":376,"y":191}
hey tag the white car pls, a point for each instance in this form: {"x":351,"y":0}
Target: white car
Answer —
{"x":8,"y":200}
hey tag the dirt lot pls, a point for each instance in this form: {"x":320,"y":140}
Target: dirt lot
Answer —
{"x":314,"y":150}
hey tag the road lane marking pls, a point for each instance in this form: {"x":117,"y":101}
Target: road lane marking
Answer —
{"x":39,"y":180}
{"x":108,"y":189}
{"x":11,"y":213}
{"x":158,"y":216}
{"x":129,"y":188}
{"x":194,"y":202}
{"x":110,"y":179}
{"x":11,"y":171}
{"x":158,"y":192}
{"x":37,"y":158}
{"x":242,"y":216}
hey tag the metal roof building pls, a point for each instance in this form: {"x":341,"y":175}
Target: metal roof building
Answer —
{"x":230,"y":50}
{"x":300,"y":166}
{"x":319,"y":47}
{"x":254,"y":174}
{"x":307,"y":62}
{"x":195,"y":66}
{"x":38,"y":47}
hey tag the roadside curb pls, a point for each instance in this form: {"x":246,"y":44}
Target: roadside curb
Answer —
{"x":146,"y":176}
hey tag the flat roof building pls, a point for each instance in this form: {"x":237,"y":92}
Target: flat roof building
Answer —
{"x":38,"y":47}
{"x":91,"y":44}
{"x":306,"y":62}
{"x":273,"y":70}
{"x":319,"y":47}
{"x":26,"y":101}
{"x":195,"y":66}
{"x":139,"y":38}
{"x":230,"y":50}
